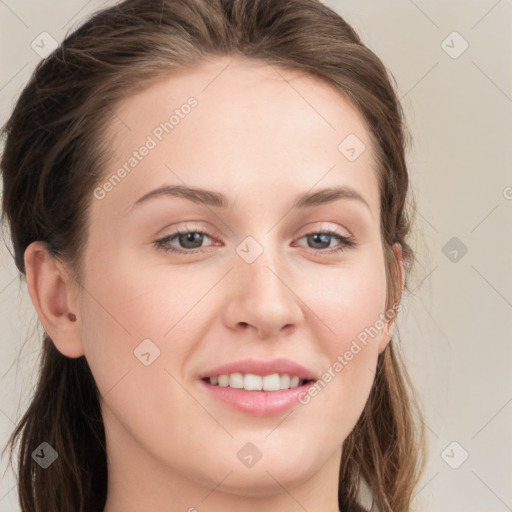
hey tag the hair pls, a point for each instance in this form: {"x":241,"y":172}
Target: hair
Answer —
{"x":56,"y":150}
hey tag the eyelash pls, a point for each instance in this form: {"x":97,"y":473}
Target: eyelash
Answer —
{"x":162,"y":244}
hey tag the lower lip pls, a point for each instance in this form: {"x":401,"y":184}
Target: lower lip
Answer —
{"x":258,"y":403}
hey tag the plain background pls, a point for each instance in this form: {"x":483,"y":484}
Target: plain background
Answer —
{"x":456,"y":326}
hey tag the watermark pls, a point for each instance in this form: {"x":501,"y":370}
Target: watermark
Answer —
{"x":355,"y":348}
{"x":45,"y":455}
{"x":249,"y":249}
{"x":351,"y":147}
{"x":157,"y":135}
{"x":454,"y":455}
{"x":249,"y":455}
{"x":507,"y":192}
{"x":454,"y":249}
{"x":44,"y":44}
{"x":146,"y":352}
{"x":454,"y":45}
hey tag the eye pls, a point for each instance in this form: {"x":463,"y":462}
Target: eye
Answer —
{"x":321,"y":241}
{"x":190,"y":241}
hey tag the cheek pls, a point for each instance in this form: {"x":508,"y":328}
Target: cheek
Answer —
{"x":130,"y":314}
{"x":351,"y":304}
{"x":351,"y":310}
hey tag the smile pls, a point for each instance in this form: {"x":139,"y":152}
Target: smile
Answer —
{"x":252,"y":382}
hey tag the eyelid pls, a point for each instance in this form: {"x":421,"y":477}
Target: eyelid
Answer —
{"x":316,"y":227}
{"x":187,"y":226}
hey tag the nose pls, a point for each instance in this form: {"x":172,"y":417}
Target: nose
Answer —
{"x":262,"y":298}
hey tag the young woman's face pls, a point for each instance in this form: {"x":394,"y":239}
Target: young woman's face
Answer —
{"x":274,"y":277}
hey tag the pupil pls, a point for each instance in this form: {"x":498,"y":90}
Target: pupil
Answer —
{"x":321,"y":239}
{"x":191,"y":237}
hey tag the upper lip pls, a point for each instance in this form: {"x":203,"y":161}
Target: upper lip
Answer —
{"x":262,"y":368}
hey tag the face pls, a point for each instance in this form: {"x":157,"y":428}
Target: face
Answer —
{"x":263,"y":273}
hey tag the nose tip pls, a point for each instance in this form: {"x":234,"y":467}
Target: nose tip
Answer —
{"x":262,"y":300}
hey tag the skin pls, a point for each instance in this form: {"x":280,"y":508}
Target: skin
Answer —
{"x":261,"y":140}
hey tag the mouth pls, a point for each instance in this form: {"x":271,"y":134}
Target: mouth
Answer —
{"x":258,"y":387}
{"x":252,"y":382}
{"x":257,"y":395}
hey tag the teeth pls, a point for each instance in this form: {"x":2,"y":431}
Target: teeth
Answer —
{"x":271,"y":382}
{"x":236,"y":380}
{"x":284,"y":381}
{"x":251,"y":382}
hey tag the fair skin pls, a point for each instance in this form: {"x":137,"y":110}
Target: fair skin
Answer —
{"x":172,"y":446}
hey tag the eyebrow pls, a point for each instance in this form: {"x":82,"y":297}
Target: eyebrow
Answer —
{"x":219,"y":200}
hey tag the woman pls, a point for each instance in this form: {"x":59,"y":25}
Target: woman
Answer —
{"x":208,"y":200}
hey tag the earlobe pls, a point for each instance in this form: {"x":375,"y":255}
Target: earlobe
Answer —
{"x":387,"y":334}
{"x":385,"y":339}
{"x":52,"y":293}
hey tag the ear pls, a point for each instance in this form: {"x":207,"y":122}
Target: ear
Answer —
{"x":53,"y":294}
{"x":399,"y":278}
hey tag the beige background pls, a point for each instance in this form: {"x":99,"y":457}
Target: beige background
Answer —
{"x":457,"y":323}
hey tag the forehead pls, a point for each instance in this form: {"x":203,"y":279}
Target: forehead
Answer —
{"x":251,"y":123}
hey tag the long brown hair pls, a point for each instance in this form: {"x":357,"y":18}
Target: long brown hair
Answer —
{"x":55,"y":155}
